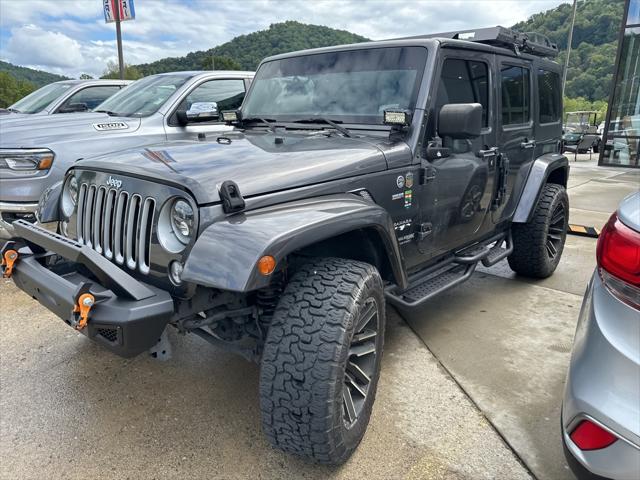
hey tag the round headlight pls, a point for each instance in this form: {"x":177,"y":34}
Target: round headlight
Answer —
{"x":69,"y":196}
{"x":176,"y":225}
{"x":182,"y":220}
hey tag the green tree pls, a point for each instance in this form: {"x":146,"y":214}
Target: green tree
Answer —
{"x":220,"y":63}
{"x":12,"y":90}
{"x":578,"y":104}
{"x":86,"y":76}
{"x":130,"y":72}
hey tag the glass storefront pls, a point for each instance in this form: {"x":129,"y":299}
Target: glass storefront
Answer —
{"x":622,"y":132}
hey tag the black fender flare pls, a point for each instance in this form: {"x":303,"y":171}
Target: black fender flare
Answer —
{"x":226,"y":253}
{"x":49,"y":204}
{"x":543,"y":167}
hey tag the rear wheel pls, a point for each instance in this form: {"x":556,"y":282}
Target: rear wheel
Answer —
{"x":538,"y":244}
{"x":321,"y":360}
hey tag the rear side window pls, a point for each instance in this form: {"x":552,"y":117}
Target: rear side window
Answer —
{"x":516,"y":108}
{"x":549,"y":96}
{"x":464,"y":81}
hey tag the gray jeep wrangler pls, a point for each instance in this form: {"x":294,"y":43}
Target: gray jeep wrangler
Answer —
{"x":356,"y":175}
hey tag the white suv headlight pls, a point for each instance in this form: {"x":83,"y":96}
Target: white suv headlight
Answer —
{"x":28,"y":160}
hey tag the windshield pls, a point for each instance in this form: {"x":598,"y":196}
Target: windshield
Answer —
{"x":353,"y":86}
{"x":41,"y":98}
{"x":578,"y":121}
{"x":144,"y":97}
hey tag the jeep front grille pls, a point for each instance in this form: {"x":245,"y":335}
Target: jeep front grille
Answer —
{"x":116,"y":224}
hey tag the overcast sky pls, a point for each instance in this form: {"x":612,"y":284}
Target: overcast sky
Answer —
{"x":70,"y":36}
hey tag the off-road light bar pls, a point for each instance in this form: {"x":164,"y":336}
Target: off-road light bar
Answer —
{"x":231,"y":116}
{"x":397,"y":117}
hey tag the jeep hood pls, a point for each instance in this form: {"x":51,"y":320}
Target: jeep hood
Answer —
{"x":258,"y":162}
{"x":22,"y":131}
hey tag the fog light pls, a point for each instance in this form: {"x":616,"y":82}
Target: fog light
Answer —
{"x":175,"y":272}
{"x":589,"y":436}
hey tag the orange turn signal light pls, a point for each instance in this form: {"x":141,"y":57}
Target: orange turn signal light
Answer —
{"x":266,"y":265}
{"x":45,"y":162}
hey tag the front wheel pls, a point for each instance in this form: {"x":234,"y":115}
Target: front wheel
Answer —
{"x":538,"y":244}
{"x":321,"y":359}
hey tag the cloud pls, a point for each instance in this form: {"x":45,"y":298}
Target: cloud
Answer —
{"x":32,"y":45}
{"x":70,"y":36}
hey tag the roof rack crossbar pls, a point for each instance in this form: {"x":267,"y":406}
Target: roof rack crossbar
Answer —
{"x":533,"y":43}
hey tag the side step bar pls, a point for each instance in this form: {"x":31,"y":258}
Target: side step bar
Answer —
{"x":433,"y":281}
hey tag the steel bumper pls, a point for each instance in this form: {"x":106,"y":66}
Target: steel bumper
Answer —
{"x":127,"y":317}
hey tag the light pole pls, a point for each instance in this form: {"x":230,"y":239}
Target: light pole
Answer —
{"x":566,"y":62}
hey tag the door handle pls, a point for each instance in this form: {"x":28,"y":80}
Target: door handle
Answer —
{"x":528,"y":144}
{"x":490,"y":152}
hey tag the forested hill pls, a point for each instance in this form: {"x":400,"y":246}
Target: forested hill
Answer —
{"x":36,"y":77}
{"x":595,"y":39}
{"x":245,"y":51}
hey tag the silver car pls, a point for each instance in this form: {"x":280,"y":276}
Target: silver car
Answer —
{"x":67,"y":96}
{"x":35,"y":152}
{"x":601,"y":409}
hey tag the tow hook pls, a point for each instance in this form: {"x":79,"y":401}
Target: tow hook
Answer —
{"x":9,"y":259}
{"x":83,"y":306}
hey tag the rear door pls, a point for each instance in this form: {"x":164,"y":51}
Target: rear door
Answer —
{"x":516,"y":133}
{"x":549,"y":109}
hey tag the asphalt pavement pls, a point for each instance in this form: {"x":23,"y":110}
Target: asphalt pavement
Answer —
{"x":470,"y":386}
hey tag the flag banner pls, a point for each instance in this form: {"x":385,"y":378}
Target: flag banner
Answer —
{"x":127,"y":10}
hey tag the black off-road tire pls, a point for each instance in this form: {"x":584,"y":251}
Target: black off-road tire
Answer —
{"x":308,"y":359}
{"x":538,"y":244}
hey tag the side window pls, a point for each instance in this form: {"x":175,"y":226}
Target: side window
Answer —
{"x":549,"y":96}
{"x":91,"y":96}
{"x":516,"y":108}
{"x":228,"y":94}
{"x":464,"y":81}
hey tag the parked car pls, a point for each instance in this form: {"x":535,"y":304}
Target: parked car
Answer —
{"x":601,"y":408}
{"x":579,"y":124}
{"x":36,"y":151}
{"x":67,"y":96}
{"x":381,"y":171}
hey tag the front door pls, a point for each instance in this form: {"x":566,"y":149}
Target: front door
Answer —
{"x":226,"y":93}
{"x":459,"y":188}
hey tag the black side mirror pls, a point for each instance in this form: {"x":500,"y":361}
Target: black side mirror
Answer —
{"x":74,"y":107}
{"x":460,"y":120}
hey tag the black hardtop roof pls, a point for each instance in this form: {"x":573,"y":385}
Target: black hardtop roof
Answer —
{"x":497,"y":40}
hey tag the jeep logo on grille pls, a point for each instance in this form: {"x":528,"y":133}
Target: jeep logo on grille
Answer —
{"x":114,"y":182}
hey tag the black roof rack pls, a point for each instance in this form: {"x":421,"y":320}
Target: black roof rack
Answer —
{"x":533,"y":43}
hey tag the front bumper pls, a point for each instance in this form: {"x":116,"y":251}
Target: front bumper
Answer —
{"x":603,"y":385}
{"x":128,"y":316}
{"x":10,"y":211}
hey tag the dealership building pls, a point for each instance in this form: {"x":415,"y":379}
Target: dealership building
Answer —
{"x":622,"y":128}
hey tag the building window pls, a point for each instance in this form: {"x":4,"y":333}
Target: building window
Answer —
{"x":623,"y":134}
{"x":633,"y":18}
{"x":515,"y":95}
{"x":549,"y":96}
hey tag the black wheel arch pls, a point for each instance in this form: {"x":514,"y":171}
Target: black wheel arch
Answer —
{"x":549,"y":168}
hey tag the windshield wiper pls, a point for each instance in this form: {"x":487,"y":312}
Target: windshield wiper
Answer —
{"x":266,"y":121}
{"x":333,"y":123}
{"x":108,"y":112}
{"x":14,"y":110}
